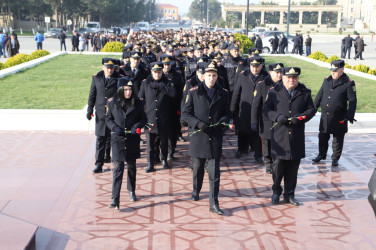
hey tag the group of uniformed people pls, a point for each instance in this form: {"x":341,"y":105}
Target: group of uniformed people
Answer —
{"x":205,"y":84}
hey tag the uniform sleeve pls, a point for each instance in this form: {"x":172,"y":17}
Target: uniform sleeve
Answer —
{"x":319,"y":97}
{"x":351,"y":97}
{"x":141,"y":92}
{"x":188,"y":111}
{"x":269,"y":107}
{"x":310,"y":109}
{"x":141,"y":117}
{"x":92,"y":97}
{"x":109,"y":118}
{"x":227,"y":114}
{"x":236,"y":98}
{"x":256,"y":105}
{"x":169,"y":89}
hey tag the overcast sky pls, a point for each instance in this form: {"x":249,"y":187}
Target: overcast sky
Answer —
{"x":183,"y":5}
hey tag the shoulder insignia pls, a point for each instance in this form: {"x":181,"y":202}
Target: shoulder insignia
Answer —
{"x":236,"y":70}
{"x":111,"y":99}
{"x":185,"y":87}
{"x":172,"y":84}
{"x":194,"y":88}
{"x":186,"y":99}
{"x":106,"y":109}
{"x":242,"y":72}
{"x":260,"y":81}
{"x":266,"y":98}
{"x":254,"y":93}
{"x":354,"y":88}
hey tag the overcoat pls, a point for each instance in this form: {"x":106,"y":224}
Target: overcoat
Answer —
{"x":198,"y":107}
{"x":338,"y":103}
{"x":231,"y":64}
{"x":141,"y":74}
{"x":287,"y":140}
{"x":125,"y":148}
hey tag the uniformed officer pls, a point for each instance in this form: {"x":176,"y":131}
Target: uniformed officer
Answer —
{"x":337,"y":99}
{"x":289,"y":105}
{"x":177,"y":79}
{"x":135,"y":70}
{"x":149,"y":56}
{"x":241,"y":107}
{"x":157,"y":92}
{"x":125,"y":117}
{"x":231,"y":64}
{"x":103,"y":87}
{"x":190,"y":62}
{"x":260,"y":123}
{"x":207,"y":104}
{"x":222,"y":71}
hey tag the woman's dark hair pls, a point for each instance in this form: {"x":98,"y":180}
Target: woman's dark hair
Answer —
{"x":125,"y":103}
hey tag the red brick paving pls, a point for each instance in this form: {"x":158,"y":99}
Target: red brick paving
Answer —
{"x":46,"y":179}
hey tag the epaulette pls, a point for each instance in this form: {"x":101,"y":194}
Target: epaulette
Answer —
{"x":260,"y":81}
{"x":194,"y":88}
{"x":111,"y":99}
{"x":242,"y":72}
{"x":271,"y":88}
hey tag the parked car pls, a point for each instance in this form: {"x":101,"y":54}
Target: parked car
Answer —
{"x":53,"y":33}
{"x":125,"y":30}
{"x":256,"y":30}
{"x":269,"y":35}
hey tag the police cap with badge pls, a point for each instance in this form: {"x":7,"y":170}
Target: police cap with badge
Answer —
{"x":199,"y":47}
{"x":212,"y":66}
{"x":135,"y":54}
{"x":337,"y":64}
{"x":253,"y":51}
{"x":217,"y":56}
{"x":125,"y":81}
{"x":166,"y":59}
{"x":190,"y":48}
{"x":277,"y":67}
{"x":291,"y":71}
{"x":169,"y":48}
{"x":156,"y":66}
{"x":108,"y":62}
{"x":200,"y":67}
{"x":234,"y":47}
{"x":256,"y":60}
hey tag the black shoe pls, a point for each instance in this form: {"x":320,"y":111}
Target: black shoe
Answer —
{"x":292,"y":201}
{"x":149,"y":169}
{"x":132,"y":196}
{"x":171,"y":157}
{"x":157,"y":161}
{"x":318,"y":158}
{"x":335,"y":162}
{"x":195,"y":197}
{"x":275,"y":199}
{"x":216,"y":209}
{"x":259,"y":160}
{"x":98,"y":168}
{"x":115,"y":203}
{"x":181,"y":138}
{"x":165,"y":164}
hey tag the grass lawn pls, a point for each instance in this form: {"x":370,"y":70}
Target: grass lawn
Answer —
{"x":60,"y":83}
{"x":313,"y":76}
{"x":64,"y":83}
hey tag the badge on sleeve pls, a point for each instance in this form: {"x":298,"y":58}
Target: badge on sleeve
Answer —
{"x":186,"y":99}
{"x":106,"y":109}
{"x":354,"y":88}
{"x":254,"y":93}
{"x":267,"y":95}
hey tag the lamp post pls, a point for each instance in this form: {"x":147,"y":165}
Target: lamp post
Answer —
{"x":246,"y":19}
{"x":327,"y":23}
{"x":288,"y":24}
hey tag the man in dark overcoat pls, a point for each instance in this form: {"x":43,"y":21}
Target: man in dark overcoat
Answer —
{"x":231,"y":64}
{"x":190,"y":62}
{"x":157,"y":91}
{"x":135,"y":70}
{"x":289,"y":105}
{"x":261,"y":123}
{"x":241,"y":107}
{"x":348,"y":44}
{"x":337,"y":99}
{"x":207,"y":104}
{"x":103,"y":87}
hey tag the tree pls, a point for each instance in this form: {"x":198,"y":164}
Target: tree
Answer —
{"x":198,"y":10}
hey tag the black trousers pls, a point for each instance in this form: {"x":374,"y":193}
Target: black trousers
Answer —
{"x":249,"y":139}
{"x":117,"y":179}
{"x":61,"y":45}
{"x":75,"y":48}
{"x":359,"y":54}
{"x":348,"y":52}
{"x":152,"y":146}
{"x":39,"y":45}
{"x":174,"y":134}
{"x":288,"y":170}
{"x":214,"y":177}
{"x":266,"y":151}
{"x":337,"y":144}
{"x":103,"y":147}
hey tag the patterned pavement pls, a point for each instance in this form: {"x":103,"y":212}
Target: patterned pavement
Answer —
{"x":46,"y":179}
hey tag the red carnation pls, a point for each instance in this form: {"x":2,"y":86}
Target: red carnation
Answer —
{"x":341,"y":122}
{"x":152,"y":124}
{"x":232,"y":126}
{"x":149,"y":129}
{"x":302,"y":117}
{"x":92,"y":115}
{"x":138,"y":131}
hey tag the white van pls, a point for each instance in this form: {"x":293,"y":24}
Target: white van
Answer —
{"x":256,"y":30}
{"x":144,"y":26}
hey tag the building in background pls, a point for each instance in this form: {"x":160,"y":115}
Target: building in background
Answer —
{"x":359,"y":14}
{"x":168,"y":11}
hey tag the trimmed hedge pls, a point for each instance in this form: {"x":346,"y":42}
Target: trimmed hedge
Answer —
{"x":17,"y":59}
{"x":113,"y":47}
{"x":245,"y":42}
{"x":1,"y":66}
{"x":317,"y":55}
{"x":39,"y":53}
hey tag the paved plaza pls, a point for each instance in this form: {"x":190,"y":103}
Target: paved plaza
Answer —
{"x":47,"y":181}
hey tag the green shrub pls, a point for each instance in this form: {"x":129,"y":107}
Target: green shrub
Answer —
{"x":348,"y":66}
{"x":372,"y":72}
{"x":333,"y":58}
{"x":362,"y":68}
{"x":113,"y":47}
{"x":245,"y":42}
{"x":39,"y":53}
{"x":1,"y":66}
{"x":317,"y":55}
{"x":17,"y":59}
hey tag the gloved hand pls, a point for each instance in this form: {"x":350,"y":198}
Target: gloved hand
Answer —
{"x":295,"y":120}
{"x":254,"y":127}
{"x":88,"y":116}
{"x":202,"y":126}
{"x":351,"y":120}
{"x":119,"y":131}
{"x":281,"y":119}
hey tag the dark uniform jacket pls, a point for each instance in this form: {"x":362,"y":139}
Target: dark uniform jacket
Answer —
{"x":193,"y":82}
{"x":148,"y":59}
{"x":287,"y":141}
{"x":177,"y":78}
{"x":141,"y":75}
{"x":128,"y":148}
{"x":190,"y":67}
{"x":158,"y":103}
{"x":101,"y":90}
{"x":242,"y":98}
{"x":222,"y":72}
{"x":259,"y":97}
{"x":348,"y":41}
{"x":258,"y":44}
{"x":231,"y":64}
{"x":198,"y":107}
{"x":333,"y":98}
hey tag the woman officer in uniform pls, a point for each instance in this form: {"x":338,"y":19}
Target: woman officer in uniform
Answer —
{"x":125,"y":117}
